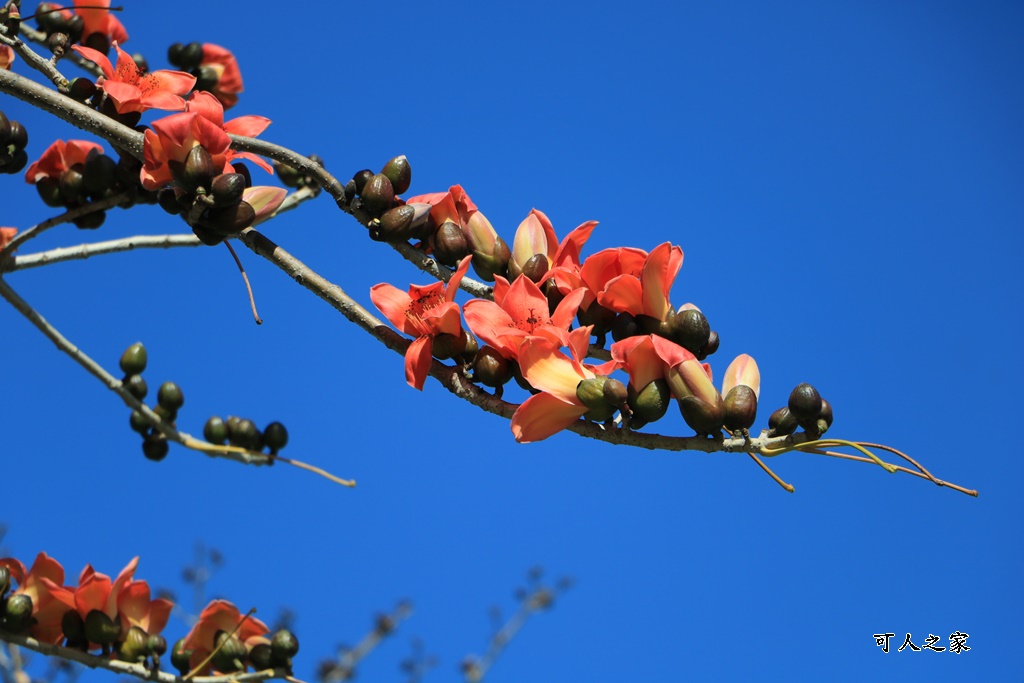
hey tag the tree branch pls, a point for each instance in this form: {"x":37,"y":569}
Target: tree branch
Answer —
{"x":84,"y":251}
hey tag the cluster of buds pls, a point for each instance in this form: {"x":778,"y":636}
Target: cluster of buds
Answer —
{"x":13,"y":140}
{"x":169,"y":399}
{"x":213,"y":203}
{"x":64,"y":26}
{"x":214,"y":67}
{"x":225,"y":641}
{"x":806,"y":409}
{"x":244,"y":433}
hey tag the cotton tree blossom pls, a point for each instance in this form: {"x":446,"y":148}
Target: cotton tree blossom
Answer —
{"x":50,"y":599}
{"x":133,"y":91}
{"x":229,"y":77}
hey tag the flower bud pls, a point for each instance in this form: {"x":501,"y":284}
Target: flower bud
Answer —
{"x":155,"y":448}
{"x":805,"y":406}
{"x":101,"y":629}
{"x":536,"y":267}
{"x":378,"y":195}
{"x":138,"y":423}
{"x":283,"y":646}
{"x":134,"y":359}
{"x":133,"y":647}
{"x":240,"y":167}
{"x":740,"y":408}
{"x":361,"y":178}
{"x":199,"y":169}
{"x":18,"y":612}
{"x":207,"y":236}
{"x":189,"y":56}
{"x":49,"y":191}
{"x":689,"y":328}
{"x":275,"y":436}
{"x":396,"y":225}
{"x":73,"y":627}
{"x":100,"y":173}
{"x":5,"y":129}
{"x":90,"y":221}
{"x":5,"y":580}
{"x":227,"y":189}
{"x":781,"y":423}
{"x":450,"y":244}
{"x":170,"y":396}
{"x":825,"y":418}
{"x":81,"y":89}
{"x":228,"y":220}
{"x":206,"y":78}
{"x":259,"y":657}
{"x":598,"y":316}
{"x":168,"y":201}
{"x":72,"y":185}
{"x":399,"y":172}
{"x":136,"y":386}
{"x":615,"y":393}
{"x":492,"y":262}
{"x":703,"y":417}
{"x":624,"y":327}
{"x":231,"y":655}
{"x":590,"y":392}
{"x":156,"y":646}
{"x":651,"y":402}
{"x":215,"y":431}
{"x":181,"y":658}
{"x":18,"y":135}
{"x":491,"y":368}
{"x":244,"y":433}
{"x":447,"y":346}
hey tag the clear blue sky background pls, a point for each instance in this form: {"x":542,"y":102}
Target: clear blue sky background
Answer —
{"x":845,"y":180}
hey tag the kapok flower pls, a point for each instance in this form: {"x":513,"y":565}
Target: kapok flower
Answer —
{"x":97,"y":18}
{"x":645,"y":293}
{"x":50,"y":598}
{"x":6,"y":235}
{"x":536,"y":236}
{"x":558,"y":377}
{"x":58,"y":158}
{"x":97,"y":592}
{"x":742,"y":371}
{"x":221,"y":615}
{"x":6,"y":57}
{"x":606,"y":265}
{"x":132,"y":91}
{"x":173,"y":137}
{"x":424,"y":313}
{"x":519,"y":311}
{"x":229,"y":77}
{"x":137,"y":609}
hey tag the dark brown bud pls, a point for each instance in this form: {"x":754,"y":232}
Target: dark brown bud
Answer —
{"x":49,"y":192}
{"x":239,"y":167}
{"x":90,"y":221}
{"x":275,"y":436}
{"x":781,"y":423}
{"x":227,"y":189}
{"x":189,"y":56}
{"x":396,"y":225}
{"x":101,"y":629}
{"x":805,"y":406}
{"x":826,"y":416}
{"x":81,"y":89}
{"x":72,"y":185}
{"x":283,"y":646}
{"x":229,"y":220}
{"x":199,"y":169}
{"x":624,"y":327}
{"x":57,"y":42}
{"x":450,"y":245}
{"x":399,"y":172}
{"x":740,"y":408}
{"x":18,"y":135}
{"x":703,"y":417}
{"x":361,"y":178}
{"x":97,"y":41}
{"x":447,"y":346}
{"x":615,"y":393}
{"x":536,"y":267}
{"x":207,"y":236}
{"x":259,"y":657}
{"x":140,"y":62}
{"x":100,"y":173}
{"x":491,"y":368}
{"x":206,"y":78}
{"x":378,"y":195}
{"x":690,"y":330}
{"x":168,"y":201}
{"x":709,"y":348}
{"x":598,"y":316}
{"x":73,"y":626}
{"x":155,"y":448}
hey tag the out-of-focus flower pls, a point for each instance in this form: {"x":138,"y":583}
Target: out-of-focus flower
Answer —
{"x":6,"y":235}
{"x":58,"y":158}
{"x":223,"y":65}
{"x":98,"y":19}
{"x":137,"y":609}
{"x":424,"y":313}
{"x":132,"y":91}
{"x":221,"y":615}
{"x":50,"y":598}
{"x":6,"y":57}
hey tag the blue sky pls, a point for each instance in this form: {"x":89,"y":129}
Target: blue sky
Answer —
{"x":845,"y":181}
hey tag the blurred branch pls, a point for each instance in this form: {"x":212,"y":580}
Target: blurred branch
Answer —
{"x":344,"y":667}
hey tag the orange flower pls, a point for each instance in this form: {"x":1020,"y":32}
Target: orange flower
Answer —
{"x":173,"y":137}
{"x":50,"y":598}
{"x":535,"y":235}
{"x":557,"y":376}
{"x":646,"y":292}
{"x":424,"y":313}
{"x":6,"y":235}
{"x":132,"y":91}
{"x":98,"y":19}
{"x":229,"y":76}
{"x":221,"y":615}
{"x":520,"y":311}
{"x":136,"y":609}
{"x":58,"y":158}
{"x":6,"y":57}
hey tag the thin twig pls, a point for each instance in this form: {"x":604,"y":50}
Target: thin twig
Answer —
{"x":384,"y":626}
{"x":135,"y":670}
{"x":84,"y":251}
{"x":66,"y":217}
{"x":43,"y":66}
{"x":245,"y":278}
{"x":475,"y":669}
{"x":788,"y":487}
{"x":316,"y":470}
{"x":860,"y":458}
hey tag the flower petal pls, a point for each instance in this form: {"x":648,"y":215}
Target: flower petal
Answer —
{"x":542,"y":415}
{"x":417,"y":361}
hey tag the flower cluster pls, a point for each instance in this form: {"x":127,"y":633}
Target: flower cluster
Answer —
{"x":90,"y":23}
{"x":118,"y":616}
{"x":542,"y":285}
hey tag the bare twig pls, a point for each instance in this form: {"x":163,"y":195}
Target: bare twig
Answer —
{"x":43,"y":66}
{"x":84,"y":251}
{"x":245,"y":278}
{"x":343,"y":669}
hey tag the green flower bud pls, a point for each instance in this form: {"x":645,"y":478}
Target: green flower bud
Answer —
{"x":215,"y":431}
{"x":181,"y":658}
{"x":155,"y":448}
{"x":590,"y":392}
{"x":73,"y":627}
{"x":245,"y":434}
{"x":134,"y":359}
{"x":740,"y":408}
{"x":651,"y":402}
{"x":138,"y":423}
{"x":275,"y":436}
{"x":399,"y":172}
{"x":99,"y":628}
{"x":136,"y":386}
{"x":18,"y":612}
{"x":170,"y":396}
{"x":283,"y":646}
{"x":232,"y":653}
{"x":156,"y":646}
{"x":133,"y":647}
{"x":260,"y":657}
